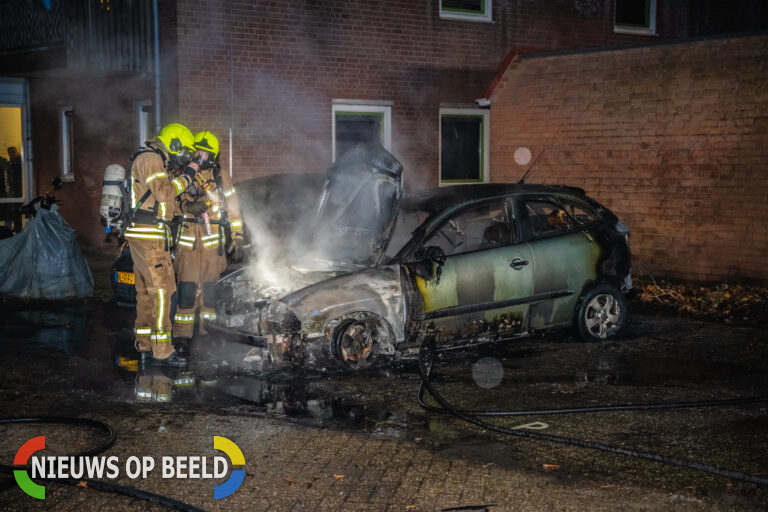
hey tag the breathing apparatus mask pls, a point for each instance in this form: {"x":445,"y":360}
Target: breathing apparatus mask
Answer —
{"x":204,"y":159}
{"x":178,"y":161}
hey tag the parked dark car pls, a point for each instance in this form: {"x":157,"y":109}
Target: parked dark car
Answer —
{"x":373,"y":274}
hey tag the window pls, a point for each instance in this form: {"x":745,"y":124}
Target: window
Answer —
{"x":548,"y":218}
{"x":11,"y":168}
{"x":355,"y":123}
{"x":66,"y":115}
{"x":635,"y":17}
{"x":470,"y":10}
{"x":464,"y":147}
{"x":144,"y":119}
{"x":480,"y":228}
{"x":582,"y":214}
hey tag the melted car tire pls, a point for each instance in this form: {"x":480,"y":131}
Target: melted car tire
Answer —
{"x":601,"y":314}
{"x":349,"y":345}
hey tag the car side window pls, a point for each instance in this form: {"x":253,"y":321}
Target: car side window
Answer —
{"x":548,"y":218}
{"x":581,"y":213}
{"x":483,"y":227}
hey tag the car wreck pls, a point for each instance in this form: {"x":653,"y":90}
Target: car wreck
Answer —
{"x":368,"y":274}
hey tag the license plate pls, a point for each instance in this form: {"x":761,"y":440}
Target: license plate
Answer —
{"x":125,"y":277}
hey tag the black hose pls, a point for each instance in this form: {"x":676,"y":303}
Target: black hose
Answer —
{"x":602,"y":408}
{"x":62,"y":420}
{"x":425,"y":370}
{"x":100,"y":448}
{"x":128,"y":491}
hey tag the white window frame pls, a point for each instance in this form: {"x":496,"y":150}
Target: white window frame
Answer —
{"x":486,"y":167}
{"x":143,"y":126}
{"x":627,"y":29}
{"x":363,"y":107}
{"x":486,"y":17}
{"x":65,"y":139}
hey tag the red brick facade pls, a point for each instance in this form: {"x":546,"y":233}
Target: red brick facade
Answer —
{"x":291,"y":59}
{"x":672,"y":138}
{"x":104,"y":128}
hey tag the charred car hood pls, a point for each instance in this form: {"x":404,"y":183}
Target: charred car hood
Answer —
{"x":357,"y":212}
{"x":373,"y":289}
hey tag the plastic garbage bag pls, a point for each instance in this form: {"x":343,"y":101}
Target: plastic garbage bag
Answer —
{"x":44,"y":260}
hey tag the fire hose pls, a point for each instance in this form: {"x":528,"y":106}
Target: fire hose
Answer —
{"x":427,"y":347}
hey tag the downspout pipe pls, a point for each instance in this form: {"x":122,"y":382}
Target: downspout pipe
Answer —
{"x":231,"y":109}
{"x":156,"y":62}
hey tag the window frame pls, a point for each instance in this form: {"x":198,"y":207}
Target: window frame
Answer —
{"x":351,"y":107}
{"x":485,"y":153}
{"x":512,"y":217}
{"x":562,"y":200}
{"x":525,"y":226}
{"x":66,"y":143}
{"x":143,"y":117}
{"x":551,"y":233}
{"x":466,"y":15}
{"x":649,"y":30}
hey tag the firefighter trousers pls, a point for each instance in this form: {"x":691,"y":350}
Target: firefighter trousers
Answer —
{"x":155,"y":289}
{"x":197,"y":270}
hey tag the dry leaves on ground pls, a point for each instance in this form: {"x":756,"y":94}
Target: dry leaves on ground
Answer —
{"x":733,"y":303}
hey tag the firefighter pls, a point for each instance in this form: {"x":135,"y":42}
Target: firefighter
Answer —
{"x":153,"y":194}
{"x":210,"y":215}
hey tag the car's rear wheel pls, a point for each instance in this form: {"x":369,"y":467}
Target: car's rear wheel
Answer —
{"x":358,"y":341}
{"x":601,"y":314}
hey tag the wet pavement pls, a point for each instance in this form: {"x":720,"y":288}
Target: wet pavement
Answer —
{"x":361,"y":442}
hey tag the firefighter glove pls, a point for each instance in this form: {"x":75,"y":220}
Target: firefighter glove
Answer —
{"x":191,"y":172}
{"x":195,"y":208}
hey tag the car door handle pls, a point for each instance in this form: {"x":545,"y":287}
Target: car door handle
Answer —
{"x":518,"y":263}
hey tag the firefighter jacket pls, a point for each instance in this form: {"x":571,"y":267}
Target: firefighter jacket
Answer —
{"x":148,"y":173}
{"x":223,"y":213}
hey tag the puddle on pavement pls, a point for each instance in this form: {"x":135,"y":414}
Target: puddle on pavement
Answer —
{"x":319,"y":402}
{"x":94,"y":341}
{"x":612,"y":367}
{"x":60,"y":329}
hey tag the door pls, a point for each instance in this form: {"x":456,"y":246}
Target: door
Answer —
{"x":14,"y":180}
{"x":486,"y":281}
{"x":565,"y":258}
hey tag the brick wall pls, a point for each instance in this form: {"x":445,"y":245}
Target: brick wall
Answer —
{"x":672,"y":138}
{"x":105,"y":130}
{"x":291,"y":59}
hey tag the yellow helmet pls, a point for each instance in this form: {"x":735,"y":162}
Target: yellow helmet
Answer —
{"x":176,"y":138}
{"x":206,"y":141}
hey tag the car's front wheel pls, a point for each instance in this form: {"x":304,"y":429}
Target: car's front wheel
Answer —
{"x":601,"y":314}
{"x":360,"y":341}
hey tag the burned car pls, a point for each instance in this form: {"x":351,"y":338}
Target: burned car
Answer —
{"x":372,"y":273}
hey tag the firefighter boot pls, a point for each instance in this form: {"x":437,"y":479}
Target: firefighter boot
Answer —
{"x":174,"y":361}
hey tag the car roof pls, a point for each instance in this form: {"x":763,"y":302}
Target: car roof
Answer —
{"x":437,"y":199}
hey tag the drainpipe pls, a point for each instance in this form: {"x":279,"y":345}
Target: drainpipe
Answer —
{"x":231,"y":110}
{"x":156,"y":59}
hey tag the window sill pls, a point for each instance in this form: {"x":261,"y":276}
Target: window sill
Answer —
{"x":460,"y":182}
{"x":638,"y":31}
{"x":477,"y":18}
